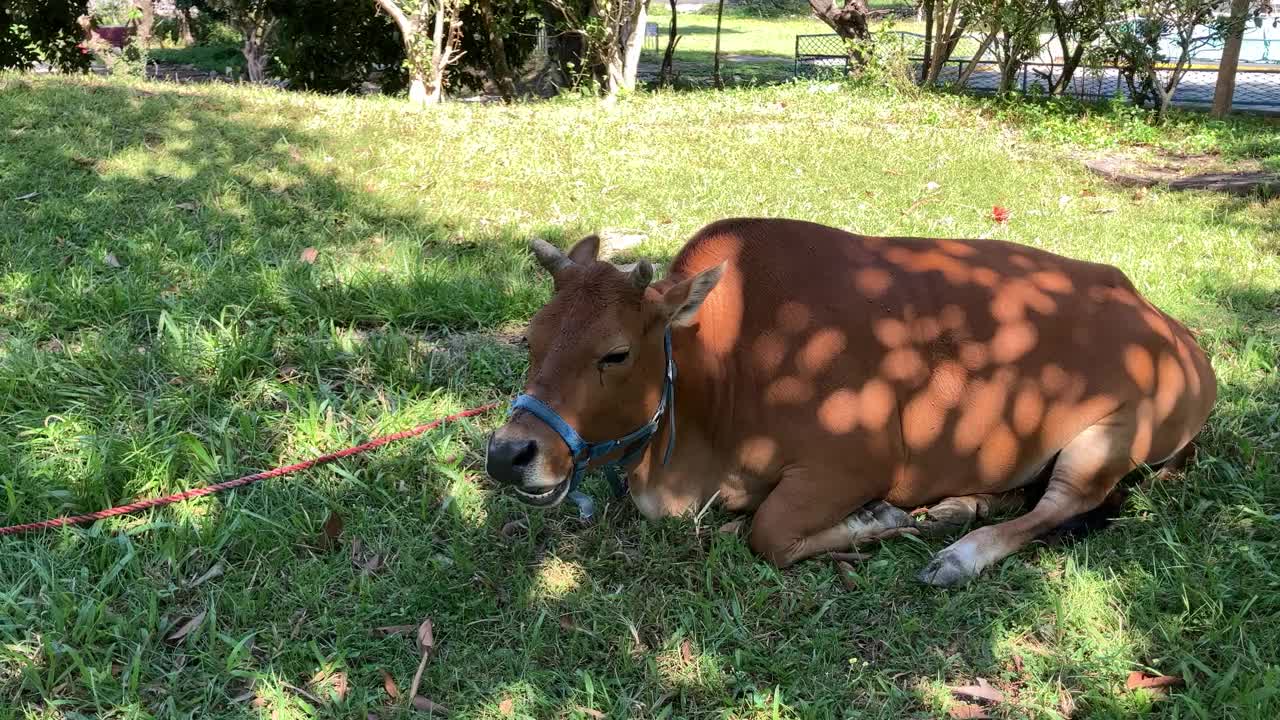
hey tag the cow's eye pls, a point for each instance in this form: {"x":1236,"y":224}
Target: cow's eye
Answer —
{"x":615,"y":357}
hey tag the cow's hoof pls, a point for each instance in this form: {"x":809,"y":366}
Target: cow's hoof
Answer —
{"x":946,"y":570}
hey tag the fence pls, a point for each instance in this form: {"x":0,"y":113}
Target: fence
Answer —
{"x":1256,"y":87}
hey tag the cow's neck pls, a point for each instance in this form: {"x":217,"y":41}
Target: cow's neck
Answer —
{"x":691,"y":476}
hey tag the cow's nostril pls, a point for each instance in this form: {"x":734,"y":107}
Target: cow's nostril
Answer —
{"x":525,"y":455}
{"x":509,"y":460}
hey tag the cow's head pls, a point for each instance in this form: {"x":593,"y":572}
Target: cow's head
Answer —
{"x":596,"y":357}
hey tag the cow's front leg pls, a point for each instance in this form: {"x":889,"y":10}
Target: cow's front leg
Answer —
{"x":800,"y":519}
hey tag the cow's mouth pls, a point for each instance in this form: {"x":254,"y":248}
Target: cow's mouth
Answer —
{"x":547,"y":497}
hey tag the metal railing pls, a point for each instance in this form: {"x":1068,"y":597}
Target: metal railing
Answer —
{"x":1256,"y":86}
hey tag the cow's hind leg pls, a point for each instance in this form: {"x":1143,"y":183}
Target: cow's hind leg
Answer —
{"x":955,"y":513}
{"x":1087,"y":470}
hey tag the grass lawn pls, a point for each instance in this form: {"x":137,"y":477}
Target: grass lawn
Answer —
{"x":161,"y":328}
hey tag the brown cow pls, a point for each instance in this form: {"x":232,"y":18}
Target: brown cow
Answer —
{"x":825,"y":379}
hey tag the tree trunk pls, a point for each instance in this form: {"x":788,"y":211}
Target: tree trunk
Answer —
{"x":669,"y":57}
{"x":255,"y":59}
{"x":635,"y":44}
{"x":1069,"y":66}
{"x":1226,"y":87}
{"x":418,"y":91}
{"x":502,"y":75}
{"x":184,"y":27}
{"x":715,"y":68}
{"x":963,"y":80}
{"x":927,"y":62}
{"x":148,"y":21}
{"x":946,"y":34}
{"x":850,"y":23}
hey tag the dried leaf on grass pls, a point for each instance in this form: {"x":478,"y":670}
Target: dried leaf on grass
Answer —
{"x":686,"y":651}
{"x":309,"y":255}
{"x":188,"y":627}
{"x":426,"y":643}
{"x":845,"y":572}
{"x":1155,"y":683}
{"x":589,"y":712}
{"x":964,"y":710}
{"x":389,"y":685}
{"x":979,"y":692}
{"x":429,"y":706}
{"x":507,"y":707}
{"x":732,"y":527}
{"x":394,"y":630}
{"x":111,"y":261}
{"x":188,"y":206}
{"x":332,"y":532}
{"x":211,"y":573}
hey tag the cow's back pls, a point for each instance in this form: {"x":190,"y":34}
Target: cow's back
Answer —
{"x":913,"y":356}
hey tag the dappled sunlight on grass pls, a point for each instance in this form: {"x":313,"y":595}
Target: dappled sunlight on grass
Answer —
{"x":555,"y":579}
{"x":216,"y":348}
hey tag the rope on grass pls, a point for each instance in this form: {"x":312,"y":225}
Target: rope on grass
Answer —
{"x":242,"y":481}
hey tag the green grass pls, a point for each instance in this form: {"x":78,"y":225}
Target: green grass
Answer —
{"x":214,"y":350}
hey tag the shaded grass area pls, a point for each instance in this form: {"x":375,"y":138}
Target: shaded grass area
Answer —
{"x":215,"y":58}
{"x":215,"y":349}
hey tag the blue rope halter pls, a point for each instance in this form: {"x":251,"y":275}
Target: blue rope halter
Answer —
{"x":584,"y":453}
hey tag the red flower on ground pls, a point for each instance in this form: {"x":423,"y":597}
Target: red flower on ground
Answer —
{"x":999,"y":214}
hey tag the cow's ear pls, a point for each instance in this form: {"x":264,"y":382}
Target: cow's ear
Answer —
{"x":584,"y":251}
{"x":681,"y":301}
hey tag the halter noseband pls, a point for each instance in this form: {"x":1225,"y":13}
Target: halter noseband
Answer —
{"x":584,"y":453}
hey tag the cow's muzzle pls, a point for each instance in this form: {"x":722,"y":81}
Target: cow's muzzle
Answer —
{"x":517,"y":461}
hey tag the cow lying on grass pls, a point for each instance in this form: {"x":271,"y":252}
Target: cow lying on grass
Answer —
{"x":823,"y":380}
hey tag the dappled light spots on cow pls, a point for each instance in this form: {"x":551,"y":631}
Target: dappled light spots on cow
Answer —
{"x":986,"y":277}
{"x":757,"y":453}
{"x":947,"y":385}
{"x":793,"y":317}
{"x":955,"y":271}
{"x":1053,"y":379}
{"x":1028,"y":408}
{"x":904,"y":364}
{"x":788,"y":390}
{"x":1157,"y":324}
{"x":922,"y":421}
{"x":958,"y":249}
{"x":820,"y":350}
{"x":838,"y":413}
{"x":875,"y":404}
{"x":769,"y":351}
{"x":985,"y":406}
{"x":1140,"y":448}
{"x":1015,"y":297}
{"x":1171,"y":382}
{"x":872,"y":282}
{"x":1051,"y":281}
{"x":925,"y":329}
{"x":1066,"y":414}
{"x":1012,"y":341}
{"x":1022,"y":261}
{"x":973,"y":355}
{"x":998,"y":454}
{"x":891,"y":332}
{"x":952,"y":317}
{"x":1140,"y":366}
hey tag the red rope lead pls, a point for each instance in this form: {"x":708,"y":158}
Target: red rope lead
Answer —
{"x":246,"y":480}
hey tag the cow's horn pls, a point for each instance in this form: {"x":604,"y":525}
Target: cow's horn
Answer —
{"x":549,"y":256}
{"x":642,"y":274}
